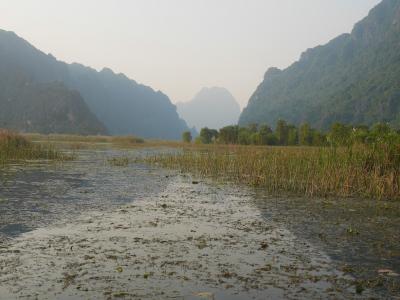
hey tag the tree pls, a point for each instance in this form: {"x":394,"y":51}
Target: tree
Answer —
{"x":282,"y":132}
{"x":293,"y":136}
{"x":187,"y":137}
{"x":318,"y":138}
{"x":244,"y":136}
{"x":305,"y":135}
{"x":265,"y":132}
{"x":272,"y":140}
{"x":253,"y":128}
{"x":207,"y":136}
{"x":340,"y":135}
{"x":228,"y":135}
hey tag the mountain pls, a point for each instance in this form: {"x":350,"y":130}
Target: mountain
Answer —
{"x":355,"y":78}
{"x":211,"y":107}
{"x":46,"y":108}
{"x":35,"y":105}
{"x":121,"y":104}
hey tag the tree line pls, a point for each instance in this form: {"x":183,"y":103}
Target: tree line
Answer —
{"x":286,"y":134}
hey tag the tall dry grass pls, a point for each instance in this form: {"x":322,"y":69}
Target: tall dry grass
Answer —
{"x":359,"y":171}
{"x":14,"y":146}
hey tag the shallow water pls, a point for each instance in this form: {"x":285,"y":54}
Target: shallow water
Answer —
{"x":37,"y":194}
{"x":90,"y":230}
{"x":362,"y":236}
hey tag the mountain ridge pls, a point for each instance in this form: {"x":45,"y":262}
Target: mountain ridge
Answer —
{"x":120,"y":103}
{"x":351,"y":79}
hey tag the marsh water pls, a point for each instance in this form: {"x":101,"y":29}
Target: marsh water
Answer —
{"x":90,"y":229}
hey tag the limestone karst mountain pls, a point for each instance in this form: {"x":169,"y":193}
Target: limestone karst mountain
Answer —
{"x":355,"y":78}
{"x":121,"y":104}
{"x":211,"y":107}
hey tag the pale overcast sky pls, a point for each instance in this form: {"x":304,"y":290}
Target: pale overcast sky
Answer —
{"x":180,"y":46}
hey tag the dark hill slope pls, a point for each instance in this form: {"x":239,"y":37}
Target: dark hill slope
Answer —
{"x":125,"y":106}
{"x":121,"y":104}
{"x":47,"y":108}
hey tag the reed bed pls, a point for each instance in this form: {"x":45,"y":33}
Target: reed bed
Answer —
{"x":15,"y":147}
{"x":128,"y":139}
{"x":359,"y":171}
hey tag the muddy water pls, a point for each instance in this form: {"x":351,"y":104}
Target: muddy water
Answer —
{"x":90,"y":230}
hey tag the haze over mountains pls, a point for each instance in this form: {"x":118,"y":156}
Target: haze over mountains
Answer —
{"x":72,"y":98}
{"x":45,"y":108}
{"x":213,"y":107}
{"x":354,"y":79}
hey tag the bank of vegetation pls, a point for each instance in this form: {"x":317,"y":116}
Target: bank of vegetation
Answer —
{"x":344,"y":162}
{"x":286,"y":134}
{"x":15,"y":147}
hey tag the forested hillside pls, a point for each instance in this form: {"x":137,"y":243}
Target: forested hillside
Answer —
{"x":354,"y":79}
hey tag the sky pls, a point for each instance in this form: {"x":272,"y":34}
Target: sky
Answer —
{"x":180,"y":46}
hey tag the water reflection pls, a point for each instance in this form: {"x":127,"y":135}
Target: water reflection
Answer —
{"x":38,"y":194}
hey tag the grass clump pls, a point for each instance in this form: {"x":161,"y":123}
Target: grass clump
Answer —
{"x":128,"y":139}
{"x":14,"y":147}
{"x":119,"y":161}
{"x":357,"y":171}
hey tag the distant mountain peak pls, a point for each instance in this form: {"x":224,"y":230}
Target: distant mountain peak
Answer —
{"x":107,"y":71}
{"x":212,"y":107}
{"x":271,"y":72}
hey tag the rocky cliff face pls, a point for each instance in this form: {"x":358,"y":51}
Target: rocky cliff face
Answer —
{"x":352,"y":79}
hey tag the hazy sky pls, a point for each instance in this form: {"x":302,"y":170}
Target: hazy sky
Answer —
{"x":180,"y":46}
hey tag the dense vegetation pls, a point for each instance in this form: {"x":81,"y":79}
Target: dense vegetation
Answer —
{"x":289,"y":135}
{"x":187,"y":137}
{"x":14,"y":147}
{"x":122,"y":105}
{"x":352,"y":79}
{"x":211,"y":107}
{"x":356,"y":171}
{"x":347,"y":161}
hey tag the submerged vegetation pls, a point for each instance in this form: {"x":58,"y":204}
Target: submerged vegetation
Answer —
{"x":14,"y":146}
{"x":356,"y":171}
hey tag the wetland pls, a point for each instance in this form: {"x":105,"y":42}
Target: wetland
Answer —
{"x":110,"y":225}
